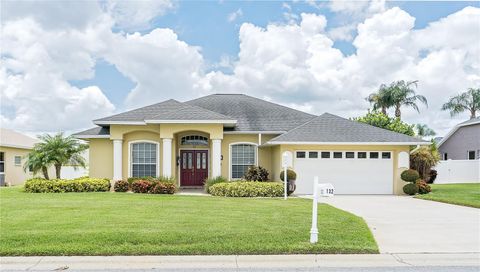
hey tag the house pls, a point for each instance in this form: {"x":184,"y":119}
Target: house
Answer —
{"x":14,"y":147}
{"x":462,"y":142}
{"x":224,"y":134}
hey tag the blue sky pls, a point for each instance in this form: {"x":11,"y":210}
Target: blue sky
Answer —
{"x":69,"y":62}
{"x":205,"y":24}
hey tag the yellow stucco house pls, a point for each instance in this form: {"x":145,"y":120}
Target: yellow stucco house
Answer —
{"x":14,"y":147}
{"x":224,"y":134}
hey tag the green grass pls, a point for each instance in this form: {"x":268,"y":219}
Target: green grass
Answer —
{"x":465,"y":194}
{"x":138,"y":224}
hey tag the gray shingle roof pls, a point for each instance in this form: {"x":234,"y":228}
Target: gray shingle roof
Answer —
{"x":96,"y":131}
{"x":331,"y":128}
{"x":167,"y":110}
{"x":253,"y":114}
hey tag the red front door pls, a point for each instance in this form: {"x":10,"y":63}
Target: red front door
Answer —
{"x":193,"y":167}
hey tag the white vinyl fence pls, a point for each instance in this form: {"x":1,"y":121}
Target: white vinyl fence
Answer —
{"x":69,"y":173}
{"x":458,"y":171}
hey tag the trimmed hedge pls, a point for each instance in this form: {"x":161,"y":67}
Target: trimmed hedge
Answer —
{"x":410,"y":175}
{"x":212,"y":181}
{"x":83,"y":184}
{"x":247,"y":189}
{"x":291,"y":175}
{"x":410,"y":189}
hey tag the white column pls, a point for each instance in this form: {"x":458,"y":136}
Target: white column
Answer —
{"x":117,"y":159}
{"x":216,"y":157}
{"x":167,"y":157}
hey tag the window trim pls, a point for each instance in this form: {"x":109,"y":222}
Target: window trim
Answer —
{"x":474,"y":155}
{"x":230,"y":168}
{"x":15,"y":160}
{"x":130,"y":143}
{"x":207,"y":140}
{"x":306,"y":154}
{"x":3,"y":161}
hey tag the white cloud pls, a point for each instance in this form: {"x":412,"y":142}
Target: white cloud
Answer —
{"x":136,"y":15}
{"x":311,"y":74}
{"x":294,"y":63}
{"x":37,"y":65}
{"x":158,"y":63}
{"x":235,"y":15}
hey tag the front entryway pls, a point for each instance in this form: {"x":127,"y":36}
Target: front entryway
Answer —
{"x":193,"y":167}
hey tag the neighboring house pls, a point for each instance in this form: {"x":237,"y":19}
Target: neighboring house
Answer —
{"x":462,"y":142}
{"x":224,"y":134}
{"x":14,"y":147}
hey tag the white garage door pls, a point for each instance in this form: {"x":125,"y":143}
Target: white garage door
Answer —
{"x":350,"y":172}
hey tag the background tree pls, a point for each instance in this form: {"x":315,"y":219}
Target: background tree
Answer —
{"x":381,"y":120}
{"x":381,"y":100}
{"x":403,"y":94}
{"x":467,"y":101}
{"x":424,"y":131}
{"x":60,"y":150}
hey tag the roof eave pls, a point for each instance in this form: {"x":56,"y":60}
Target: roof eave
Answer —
{"x":136,"y":123}
{"x":344,"y":143}
{"x":91,"y":136}
{"x":16,"y":146}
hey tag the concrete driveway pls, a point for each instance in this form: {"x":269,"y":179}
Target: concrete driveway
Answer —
{"x":404,"y":224}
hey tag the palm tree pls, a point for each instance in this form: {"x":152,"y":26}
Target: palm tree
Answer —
{"x":60,"y":150}
{"x":37,"y":161}
{"x":424,"y":131}
{"x":403,"y":94}
{"x":469,"y":100}
{"x":381,"y":100}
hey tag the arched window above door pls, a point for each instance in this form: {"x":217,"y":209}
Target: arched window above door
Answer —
{"x":194,"y":140}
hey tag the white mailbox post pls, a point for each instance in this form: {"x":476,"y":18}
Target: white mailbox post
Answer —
{"x":326,"y":190}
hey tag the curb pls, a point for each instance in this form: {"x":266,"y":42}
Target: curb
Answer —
{"x":236,"y":261}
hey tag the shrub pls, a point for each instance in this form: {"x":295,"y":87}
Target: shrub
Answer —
{"x":410,"y":189}
{"x":410,"y":175}
{"x":121,"y":186}
{"x":133,"y":179}
{"x":256,"y":173}
{"x":163,"y":188}
{"x":211,"y":181}
{"x":432,"y":176}
{"x":291,"y":175}
{"x":423,"y":187}
{"x":83,"y":184}
{"x":141,"y":186}
{"x":165,"y":180}
{"x":247,"y":189}
{"x":152,"y":179}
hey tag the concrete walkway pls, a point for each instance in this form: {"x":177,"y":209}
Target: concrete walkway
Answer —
{"x":403,"y":224}
{"x":112,"y":263}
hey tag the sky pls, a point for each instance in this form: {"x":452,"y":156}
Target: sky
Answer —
{"x":66,"y":63}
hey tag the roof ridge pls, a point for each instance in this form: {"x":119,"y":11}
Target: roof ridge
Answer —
{"x":276,"y":104}
{"x":185,"y":105}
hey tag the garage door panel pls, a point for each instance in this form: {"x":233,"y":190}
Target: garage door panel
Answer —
{"x":348,"y":176}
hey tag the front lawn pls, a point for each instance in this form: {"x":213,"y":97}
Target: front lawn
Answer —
{"x":466,"y":194}
{"x":139,"y":224}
